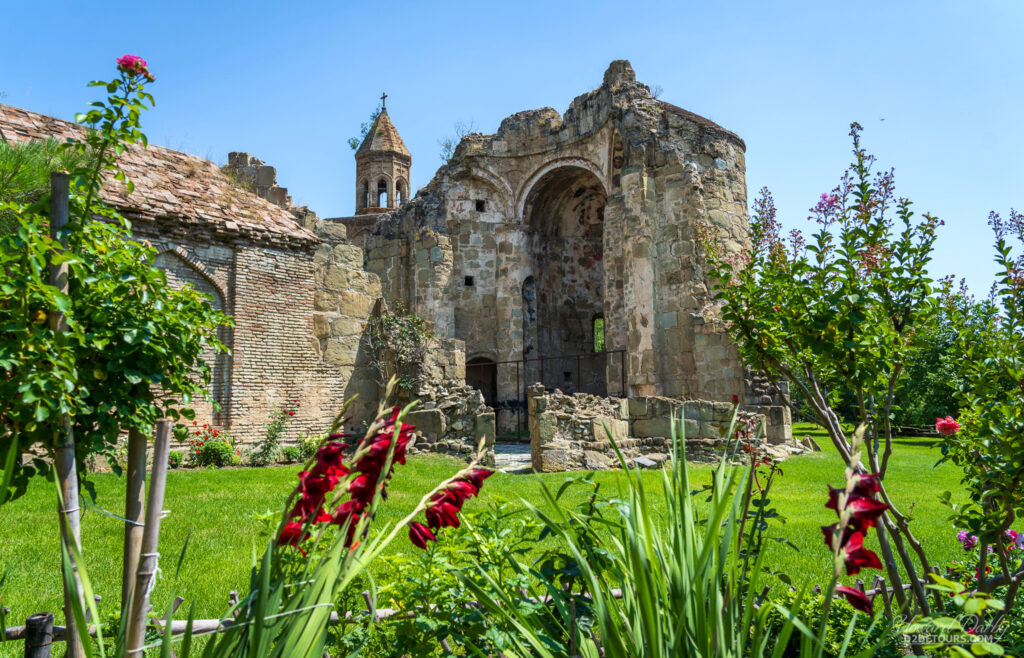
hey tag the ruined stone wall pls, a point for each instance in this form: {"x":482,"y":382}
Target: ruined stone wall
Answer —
{"x":593,"y":213}
{"x":571,"y":432}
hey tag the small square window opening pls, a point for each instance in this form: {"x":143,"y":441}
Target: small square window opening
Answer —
{"x":469,"y":281}
{"x":481,"y":205}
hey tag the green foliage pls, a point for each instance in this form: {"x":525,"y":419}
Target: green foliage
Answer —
{"x":217,"y":453}
{"x":308,"y":445}
{"x":175,"y":458}
{"x":663,"y":584}
{"x":990,"y":446}
{"x":291,"y":454}
{"x":838,"y":312}
{"x":25,"y":173}
{"x":429,"y":594}
{"x":269,"y":447}
{"x":398,"y":343}
{"x":599,"y":345}
{"x":868,"y":633}
{"x":132,"y":351}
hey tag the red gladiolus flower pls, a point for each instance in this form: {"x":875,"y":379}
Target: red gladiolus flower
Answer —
{"x":420,"y":534}
{"x":477,"y":476}
{"x":858,"y":599}
{"x":856,"y":557}
{"x":291,"y":535}
{"x":291,"y":413}
{"x":862,"y":507}
{"x":735,"y":399}
{"x":443,"y":514}
{"x":363,"y":486}
{"x":462,"y":490}
{"x":946,"y":426}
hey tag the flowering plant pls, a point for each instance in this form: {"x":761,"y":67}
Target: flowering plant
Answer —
{"x":990,"y":444}
{"x":858,"y":511}
{"x":208,"y":446}
{"x":269,"y":448}
{"x":835,"y":311}
{"x":324,"y":541}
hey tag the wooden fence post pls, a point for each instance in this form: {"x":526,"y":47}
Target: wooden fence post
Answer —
{"x":39,"y":635}
{"x":135,"y":633}
{"x":134,"y":508}
{"x":64,"y":438}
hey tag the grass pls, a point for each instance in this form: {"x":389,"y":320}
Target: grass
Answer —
{"x":219,"y":511}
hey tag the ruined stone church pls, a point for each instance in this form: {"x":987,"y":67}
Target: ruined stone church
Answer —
{"x":555,"y":260}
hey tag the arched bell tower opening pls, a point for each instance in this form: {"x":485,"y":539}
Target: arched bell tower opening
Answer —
{"x":565,"y":213}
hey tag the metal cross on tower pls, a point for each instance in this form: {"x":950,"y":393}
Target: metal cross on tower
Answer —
{"x":384,"y":101}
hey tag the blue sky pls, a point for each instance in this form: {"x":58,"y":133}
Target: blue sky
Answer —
{"x":291,"y":81}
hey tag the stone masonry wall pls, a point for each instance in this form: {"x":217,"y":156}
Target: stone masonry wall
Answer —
{"x":570,"y":432}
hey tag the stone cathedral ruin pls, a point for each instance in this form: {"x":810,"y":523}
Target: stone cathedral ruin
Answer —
{"x":555,"y":262}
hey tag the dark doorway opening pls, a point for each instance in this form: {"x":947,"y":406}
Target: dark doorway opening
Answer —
{"x":482,"y":374}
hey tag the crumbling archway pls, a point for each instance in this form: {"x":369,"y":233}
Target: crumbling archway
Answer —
{"x":565,"y":213}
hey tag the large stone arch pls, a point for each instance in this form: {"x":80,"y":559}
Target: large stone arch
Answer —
{"x":564,"y":216}
{"x":529,"y":187}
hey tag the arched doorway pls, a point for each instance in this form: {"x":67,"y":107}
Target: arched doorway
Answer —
{"x":482,"y":374}
{"x":565,"y":212}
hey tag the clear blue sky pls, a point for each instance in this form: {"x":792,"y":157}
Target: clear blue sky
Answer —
{"x":291,"y":81}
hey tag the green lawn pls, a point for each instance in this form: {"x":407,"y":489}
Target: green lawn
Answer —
{"x":220,"y":509}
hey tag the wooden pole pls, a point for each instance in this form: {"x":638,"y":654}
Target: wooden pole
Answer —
{"x":64,"y":438}
{"x":135,"y":634}
{"x":39,"y":635}
{"x":134,"y":508}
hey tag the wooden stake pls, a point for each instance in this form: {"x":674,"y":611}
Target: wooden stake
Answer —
{"x":39,"y":635}
{"x":64,"y":438}
{"x":134,"y":508}
{"x":135,"y":634}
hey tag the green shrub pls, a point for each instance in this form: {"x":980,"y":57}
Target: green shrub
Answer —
{"x":217,"y":452}
{"x":867,"y":632}
{"x":291,"y":453}
{"x":175,"y":458}
{"x":308,"y":445}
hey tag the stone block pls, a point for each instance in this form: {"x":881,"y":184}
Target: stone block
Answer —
{"x":651,"y":427}
{"x":602,"y":427}
{"x":430,"y":422}
{"x":321,"y":326}
{"x":355,"y":304}
{"x":637,"y":408}
{"x":484,"y":429}
{"x":341,"y":351}
{"x":346,"y":327}
{"x":348,"y":254}
{"x":336,"y":277}
{"x":325,"y":301}
{"x":597,"y":461}
{"x":547,"y":427}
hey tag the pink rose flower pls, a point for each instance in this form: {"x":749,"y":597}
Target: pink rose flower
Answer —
{"x":946,"y":426}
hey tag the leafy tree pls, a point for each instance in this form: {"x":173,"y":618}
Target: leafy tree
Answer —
{"x":990,"y":448}
{"x":842,"y":306}
{"x":132,"y":350}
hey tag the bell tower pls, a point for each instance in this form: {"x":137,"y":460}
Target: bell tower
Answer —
{"x":382,"y":167}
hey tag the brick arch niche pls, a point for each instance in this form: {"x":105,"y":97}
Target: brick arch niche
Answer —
{"x":181,"y":272}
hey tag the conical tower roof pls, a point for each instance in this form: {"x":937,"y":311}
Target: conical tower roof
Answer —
{"x":383,"y":137}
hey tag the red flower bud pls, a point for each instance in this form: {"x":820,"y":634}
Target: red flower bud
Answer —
{"x":420,"y":534}
{"x":858,"y":599}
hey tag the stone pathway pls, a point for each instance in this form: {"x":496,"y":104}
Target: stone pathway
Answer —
{"x":512,"y":457}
